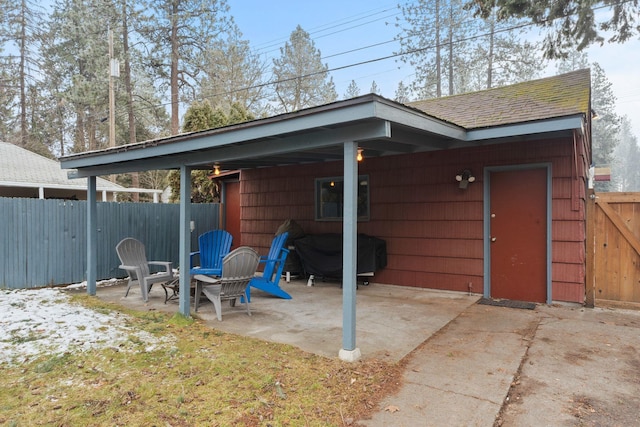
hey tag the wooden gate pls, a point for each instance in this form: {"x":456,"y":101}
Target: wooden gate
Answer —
{"x":613,"y":249}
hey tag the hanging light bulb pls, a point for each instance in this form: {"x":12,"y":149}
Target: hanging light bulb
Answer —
{"x":359,"y":156}
{"x":216,"y":169}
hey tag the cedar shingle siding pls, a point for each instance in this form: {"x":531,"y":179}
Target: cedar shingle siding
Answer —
{"x":433,"y":230}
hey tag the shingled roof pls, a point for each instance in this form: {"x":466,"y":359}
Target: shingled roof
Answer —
{"x":558,"y":96}
{"x":27,"y":169}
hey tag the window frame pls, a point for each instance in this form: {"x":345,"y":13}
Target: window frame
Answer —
{"x":320,"y":207}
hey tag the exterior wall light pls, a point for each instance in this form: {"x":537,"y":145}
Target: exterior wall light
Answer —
{"x":464,"y":178}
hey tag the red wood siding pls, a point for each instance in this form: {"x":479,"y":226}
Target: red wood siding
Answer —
{"x":433,"y":229}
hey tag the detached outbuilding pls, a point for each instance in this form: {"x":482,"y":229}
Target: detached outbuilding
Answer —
{"x":482,"y":192}
{"x":514,"y":228}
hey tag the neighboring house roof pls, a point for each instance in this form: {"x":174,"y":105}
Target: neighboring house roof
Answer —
{"x":556,"y":96}
{"x":23,"y":168}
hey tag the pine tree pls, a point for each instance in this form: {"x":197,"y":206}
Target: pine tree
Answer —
{"x":570,"y":24}
{"x":301,"y":80}
{"x":75,"y":59}
{"x":403,"y":94}
{"x":454,"y":53}
{"x":626,"y":170}
{"x":606,"y":129}
{"x":433,"y":42}
{"x":233,"y":74}
{"x":352,"y":90}
{"x":374,"y":88}
{"x":20,"y":27}
{"x":202,"y":116}
{"x":181,"y":31}
{"x":498,"y":57}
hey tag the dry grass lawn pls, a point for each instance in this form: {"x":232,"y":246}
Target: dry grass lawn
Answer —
{"x":197,"y":376}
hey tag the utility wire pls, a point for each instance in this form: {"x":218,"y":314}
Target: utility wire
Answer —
{"x":397,"y":55}
{"x":372,"y":60}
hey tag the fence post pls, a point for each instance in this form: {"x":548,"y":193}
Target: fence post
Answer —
{"x":185,"y":240}
{"x":590,"y":247}
{"x":92,"y":236}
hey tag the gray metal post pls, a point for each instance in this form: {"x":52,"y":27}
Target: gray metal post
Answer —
{"x":349,"y":352}
{"x":92,"y":236}
{"x":185,"y":240}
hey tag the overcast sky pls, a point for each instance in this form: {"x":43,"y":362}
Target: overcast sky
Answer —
{"x":365,"y":29}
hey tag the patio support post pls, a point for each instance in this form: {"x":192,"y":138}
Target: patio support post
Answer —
{"x":92,"y":236}
{"x":349,"y":351}
{"x":185,"y":240}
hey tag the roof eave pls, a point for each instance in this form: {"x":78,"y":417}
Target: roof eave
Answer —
{"x":556,"y":124}
{"x":358,"y":119}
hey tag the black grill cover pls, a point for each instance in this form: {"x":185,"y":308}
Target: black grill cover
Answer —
{"x":321,"y":254}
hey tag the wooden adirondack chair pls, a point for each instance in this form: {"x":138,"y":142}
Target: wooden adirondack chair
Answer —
{"x":274,"y":263}
{"x":213,"y":247}
{"x":134,"y":261}
{"x":238,"y":268}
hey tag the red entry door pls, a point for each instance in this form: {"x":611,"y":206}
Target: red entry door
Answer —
{"x":232,"y":211}
{"x":519,"y":235}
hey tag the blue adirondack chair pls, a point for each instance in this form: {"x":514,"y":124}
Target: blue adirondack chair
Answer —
{"x":213,"y":247}
{"x":273,"y":265}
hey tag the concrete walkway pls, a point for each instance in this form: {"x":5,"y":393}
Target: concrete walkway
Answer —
{"x":553,"y":366}
{"x":466,"y":364}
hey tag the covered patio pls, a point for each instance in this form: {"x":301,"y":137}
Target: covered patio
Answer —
{"x":385,"y":132}
{"x":311,"y":320}
{"x":334,"y":132}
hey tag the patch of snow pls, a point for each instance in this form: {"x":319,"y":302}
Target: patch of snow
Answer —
{"x":83,"y":285}
{"x":45,"y":321}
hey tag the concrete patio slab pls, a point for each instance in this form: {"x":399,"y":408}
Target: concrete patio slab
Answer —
{"x":312,"y":319}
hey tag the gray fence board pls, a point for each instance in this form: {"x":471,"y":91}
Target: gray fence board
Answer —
{"x":43,"y":242}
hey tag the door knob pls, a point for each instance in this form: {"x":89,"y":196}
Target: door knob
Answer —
{"x":493,"y":239}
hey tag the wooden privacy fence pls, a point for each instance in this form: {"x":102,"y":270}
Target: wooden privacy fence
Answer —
{"x":613,"y":249}
{"x":44,"y":242}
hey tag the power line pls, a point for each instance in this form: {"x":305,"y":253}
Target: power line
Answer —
{"x":325,"y":27}
{"x":361,"y":63}
{"x":355,"y":19}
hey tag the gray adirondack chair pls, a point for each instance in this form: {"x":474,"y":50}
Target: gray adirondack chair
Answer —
{"x":238,"y":268}
{"x":134,"y":261}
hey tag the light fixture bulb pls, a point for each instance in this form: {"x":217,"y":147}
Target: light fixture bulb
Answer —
{"x":216,"y":170}
{"x":472,"y":178}
{"x":359,"y":156}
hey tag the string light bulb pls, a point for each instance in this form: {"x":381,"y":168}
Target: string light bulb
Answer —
{"x":359,"y":156}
